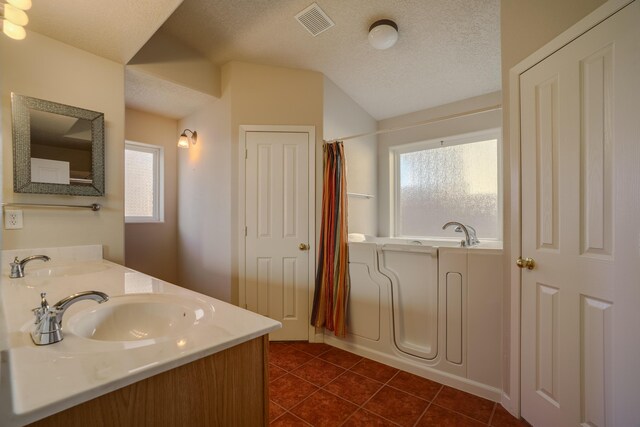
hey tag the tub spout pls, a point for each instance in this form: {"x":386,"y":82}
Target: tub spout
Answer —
{"x":460,"y":227}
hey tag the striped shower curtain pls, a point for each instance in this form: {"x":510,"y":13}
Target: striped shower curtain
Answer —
{"x":332,"y":278}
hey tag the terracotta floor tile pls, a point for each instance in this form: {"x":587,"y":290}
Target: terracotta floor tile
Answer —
{"x":288,"y":420}
{"x":354,"y":387}
{"x":364,"y":418}
{"x":437,"y":416}
{"x":288,"y":390}
{"x":374,"y":370}
{"x":275,"y":410}
{"x":465,"y":403}
{"x":318,"y":372}
{"x":341,"y":358}
{"x":314,"y":349}
{"x":275,"y":346}
{"x":502,"y":418}
{"x":413,"y":384}
{"x":323,"y":409}
{"x":275,"y":372}
{"x":290,"y":358}
{"x":397,"y":406}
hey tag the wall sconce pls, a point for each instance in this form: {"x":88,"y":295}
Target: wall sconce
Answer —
{"x":14,"y":18}
{"x":184,"y":140}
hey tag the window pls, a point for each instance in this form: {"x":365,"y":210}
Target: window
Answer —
{"x":455,"y":179}
{"x":143,"y":182}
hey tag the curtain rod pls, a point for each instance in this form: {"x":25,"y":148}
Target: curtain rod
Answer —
{"x":426,"y":122}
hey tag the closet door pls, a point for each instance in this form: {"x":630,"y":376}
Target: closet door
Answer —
{"x":277,"y":230}
{"x":580,"y":130}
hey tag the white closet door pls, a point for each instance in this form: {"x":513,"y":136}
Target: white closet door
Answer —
{"x":580,"y":130}
{"x":277,"y":215}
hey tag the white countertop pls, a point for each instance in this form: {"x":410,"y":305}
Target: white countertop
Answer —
{"x":41,"y":380}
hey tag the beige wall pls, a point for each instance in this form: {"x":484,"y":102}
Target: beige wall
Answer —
{"x":462,"y":125}
{"x":526,"y":26}
{"x":266,"y":95}
{"x":152,"y":248}
{"x":251,"y":94}
{"x":204,"y":202}
{"x":44,"y":68}
{"x":343,"y":117}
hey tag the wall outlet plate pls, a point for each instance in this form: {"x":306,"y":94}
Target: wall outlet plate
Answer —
{"x":12,"y":219}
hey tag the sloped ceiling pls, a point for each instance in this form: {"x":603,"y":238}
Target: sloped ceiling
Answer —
{"x":448,"y":50}
{"x":113,"y":29}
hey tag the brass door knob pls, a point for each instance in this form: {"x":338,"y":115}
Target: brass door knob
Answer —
{"x":303,"y":246}
{"x":528,"y":263}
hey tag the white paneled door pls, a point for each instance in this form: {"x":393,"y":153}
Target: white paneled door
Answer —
{"x":277,"y":258}
{"x":580,"y":130}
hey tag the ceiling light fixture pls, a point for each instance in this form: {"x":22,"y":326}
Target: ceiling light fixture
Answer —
{"x":184,"y":140}
{"x":383,"y":34}
{"x":14,"y":18}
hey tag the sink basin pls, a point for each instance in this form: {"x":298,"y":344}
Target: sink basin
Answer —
{"x":67,"y":270}
{"x":137,"y":317}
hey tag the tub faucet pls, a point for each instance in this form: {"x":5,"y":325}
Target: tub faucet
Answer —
{"x":17,"y":266}
{"x":460,"y":227}
{"x":48,"y":329}
{"x":472,"y":234}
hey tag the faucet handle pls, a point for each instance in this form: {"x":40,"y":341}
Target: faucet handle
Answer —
{"x":16,"y":269}
{"x":43,"y":300}
{"x":43,"y":309}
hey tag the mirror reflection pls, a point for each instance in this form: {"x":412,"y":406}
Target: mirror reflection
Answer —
{"x":60,"y":148}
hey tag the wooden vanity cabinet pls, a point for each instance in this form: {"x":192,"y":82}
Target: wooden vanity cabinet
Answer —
{"x":229,"y":388}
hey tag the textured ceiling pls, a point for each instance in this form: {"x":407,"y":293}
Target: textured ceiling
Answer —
{"x":447,"y":50}
{"x":113,"y":29}
{"x":155,"y":95}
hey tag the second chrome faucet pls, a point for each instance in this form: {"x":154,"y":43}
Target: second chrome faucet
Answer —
{"x":470,"y":237}
{"x":17,"y":266}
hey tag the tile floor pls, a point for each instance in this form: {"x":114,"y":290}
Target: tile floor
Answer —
{"x":320,"y":385}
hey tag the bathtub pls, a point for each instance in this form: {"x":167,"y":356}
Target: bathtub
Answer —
{"x":428,"y":307}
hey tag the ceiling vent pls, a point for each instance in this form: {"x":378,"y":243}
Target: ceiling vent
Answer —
{"x":314,"y":20}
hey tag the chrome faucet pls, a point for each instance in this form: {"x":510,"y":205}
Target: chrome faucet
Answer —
{"x":17,"y":266}
{"x":48,"y":329}
{"x":472,"y":234}
{"x":460,"y":227}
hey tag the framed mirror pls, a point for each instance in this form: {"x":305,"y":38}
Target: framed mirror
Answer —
{"x":57,"y":148}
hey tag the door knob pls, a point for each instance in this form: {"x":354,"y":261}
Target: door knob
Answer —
{"x":303,"y":247}
{"x":528,"y":263}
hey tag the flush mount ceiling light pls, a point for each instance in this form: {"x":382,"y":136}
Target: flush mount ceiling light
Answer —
{"x":184,"y":140}
{"x":14,"y":18}
{"x":383,"y":34}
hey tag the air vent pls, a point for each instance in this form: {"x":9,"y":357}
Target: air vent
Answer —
{"x":314,"y":20}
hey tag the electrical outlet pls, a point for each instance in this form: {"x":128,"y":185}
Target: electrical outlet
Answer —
{"x":12,"y":219}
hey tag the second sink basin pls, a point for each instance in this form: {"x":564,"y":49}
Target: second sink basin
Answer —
{"x":66,"y":270}
{"x":137,"y":317}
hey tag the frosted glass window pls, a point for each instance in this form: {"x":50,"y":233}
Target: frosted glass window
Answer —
{"x":143,"y":182}
{"x":449,"y":182}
